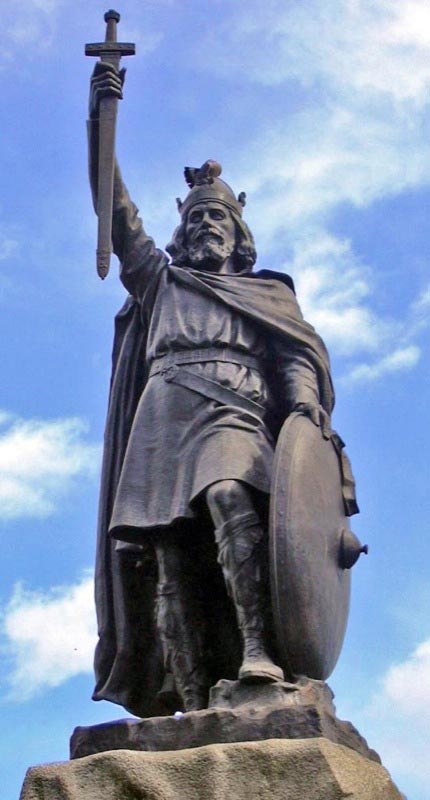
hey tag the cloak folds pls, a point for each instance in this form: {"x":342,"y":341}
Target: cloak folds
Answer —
{"x":128,"y":658}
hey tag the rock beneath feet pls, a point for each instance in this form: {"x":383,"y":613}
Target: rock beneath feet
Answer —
{"x":237,"y":712}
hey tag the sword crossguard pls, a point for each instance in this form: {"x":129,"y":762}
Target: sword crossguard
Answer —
{"x":110,"y":49}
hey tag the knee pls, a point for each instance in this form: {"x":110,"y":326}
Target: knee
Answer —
{"x":226,"y":499}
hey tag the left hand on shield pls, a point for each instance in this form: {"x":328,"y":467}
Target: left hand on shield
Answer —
{"x":317,"y":415}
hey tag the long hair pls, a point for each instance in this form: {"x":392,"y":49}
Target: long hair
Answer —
{"x":245,"y":254}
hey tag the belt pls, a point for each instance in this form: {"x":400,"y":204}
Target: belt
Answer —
{"x":170,"y":367}
{"x":227,"y":354}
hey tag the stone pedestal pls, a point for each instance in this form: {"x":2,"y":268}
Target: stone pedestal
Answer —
{"x":237,"y":713}
{"x":277,"y":741}
{"x":315,"y":769}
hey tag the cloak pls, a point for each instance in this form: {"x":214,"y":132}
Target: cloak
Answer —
{"x":128,"y":657}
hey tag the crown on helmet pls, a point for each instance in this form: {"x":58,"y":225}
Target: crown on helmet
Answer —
{"x":205,"y":184}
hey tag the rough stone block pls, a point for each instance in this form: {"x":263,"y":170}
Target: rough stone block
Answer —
{"x":315,"y":769}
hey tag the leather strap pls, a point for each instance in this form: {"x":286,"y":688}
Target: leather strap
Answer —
{"x":204,"y":386}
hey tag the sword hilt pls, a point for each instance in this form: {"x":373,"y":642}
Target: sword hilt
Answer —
{"x":110,"y":48}
{"x":111,"y":18}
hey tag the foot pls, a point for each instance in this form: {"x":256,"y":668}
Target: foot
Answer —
{"x":195,"y":698}
{"x":257,"y":667}
{"x":168,"y":696}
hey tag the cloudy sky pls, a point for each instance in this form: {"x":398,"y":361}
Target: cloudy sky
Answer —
{"x":320,"y":111}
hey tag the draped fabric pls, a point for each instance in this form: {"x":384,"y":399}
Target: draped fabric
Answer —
{"x":128,"y":661}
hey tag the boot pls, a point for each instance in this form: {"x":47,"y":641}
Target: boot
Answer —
{"x":240,"y":554}
{"x":181,"y":632}
{"x":168,"y":696}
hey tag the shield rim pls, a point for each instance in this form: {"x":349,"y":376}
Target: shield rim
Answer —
{"x":281,"y":486}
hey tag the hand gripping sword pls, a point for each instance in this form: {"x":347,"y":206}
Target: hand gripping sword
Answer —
{"x":110,"y":52}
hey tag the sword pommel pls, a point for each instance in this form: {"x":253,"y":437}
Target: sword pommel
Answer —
{"x":112,"y":15}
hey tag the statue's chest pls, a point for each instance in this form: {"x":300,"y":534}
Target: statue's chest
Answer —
{"x":187,"y":318}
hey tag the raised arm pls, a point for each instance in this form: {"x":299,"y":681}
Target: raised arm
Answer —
{"x":135,"y":249}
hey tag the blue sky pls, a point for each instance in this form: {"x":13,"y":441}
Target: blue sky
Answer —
{"x":320,"y":112}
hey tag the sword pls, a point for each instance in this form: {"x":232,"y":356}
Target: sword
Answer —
{"x":110,"y":52}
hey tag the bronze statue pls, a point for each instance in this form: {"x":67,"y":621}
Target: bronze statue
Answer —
{"x":209,"y":359}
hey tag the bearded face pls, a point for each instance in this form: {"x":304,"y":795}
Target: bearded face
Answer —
{"x":210,"y":236}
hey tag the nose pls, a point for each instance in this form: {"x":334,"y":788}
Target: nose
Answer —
{"x":205,"y":220}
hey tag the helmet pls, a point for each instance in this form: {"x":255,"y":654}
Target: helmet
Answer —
{"x":205,"y":185}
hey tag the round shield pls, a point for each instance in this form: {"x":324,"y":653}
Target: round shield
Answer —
{"x":310,"y":588}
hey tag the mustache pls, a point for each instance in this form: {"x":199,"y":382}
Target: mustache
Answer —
{"x":211,"y":233}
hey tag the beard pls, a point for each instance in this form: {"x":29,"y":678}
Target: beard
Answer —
{"x":209,"y":253}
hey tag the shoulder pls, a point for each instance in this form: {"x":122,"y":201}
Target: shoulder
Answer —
{"x":271,"y":274}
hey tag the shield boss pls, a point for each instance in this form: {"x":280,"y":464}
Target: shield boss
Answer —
{"x":310,"y":590}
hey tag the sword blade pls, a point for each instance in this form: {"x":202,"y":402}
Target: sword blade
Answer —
{"x":107,"y":128}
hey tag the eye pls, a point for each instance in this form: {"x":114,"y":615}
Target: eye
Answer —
{"x":217,"y":213}
{"x":195,"y":216}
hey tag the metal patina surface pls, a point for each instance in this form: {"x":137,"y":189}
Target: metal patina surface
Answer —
{"x":310,"y":587}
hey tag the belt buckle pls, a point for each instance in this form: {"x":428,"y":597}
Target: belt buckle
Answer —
{"x":169,"y":373}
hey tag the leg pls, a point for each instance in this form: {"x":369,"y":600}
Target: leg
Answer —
{"x":239,"y":536}
{"x":180,"y":623}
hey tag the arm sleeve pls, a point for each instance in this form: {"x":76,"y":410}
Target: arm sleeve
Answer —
{"x":141,"y":261}
{"x":299,"y":379}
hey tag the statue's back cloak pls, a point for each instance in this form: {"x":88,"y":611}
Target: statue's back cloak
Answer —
{"x":128,"y":662}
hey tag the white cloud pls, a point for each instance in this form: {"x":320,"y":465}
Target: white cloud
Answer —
{"x":415,"y":674}
{"x":422,"y":304}
{"x":397,"y":361}
{"x":364,"y":137}
{"x":39,"y":462}
{"x":356,"y":43}
{"x":50,"y":636}
{"x":28,"y":23}
{"x":333,"y":287}
{"x":398,"y":718}
{"x":343,"y":150}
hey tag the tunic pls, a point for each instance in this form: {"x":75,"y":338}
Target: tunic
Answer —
{"x":181,"y":442}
